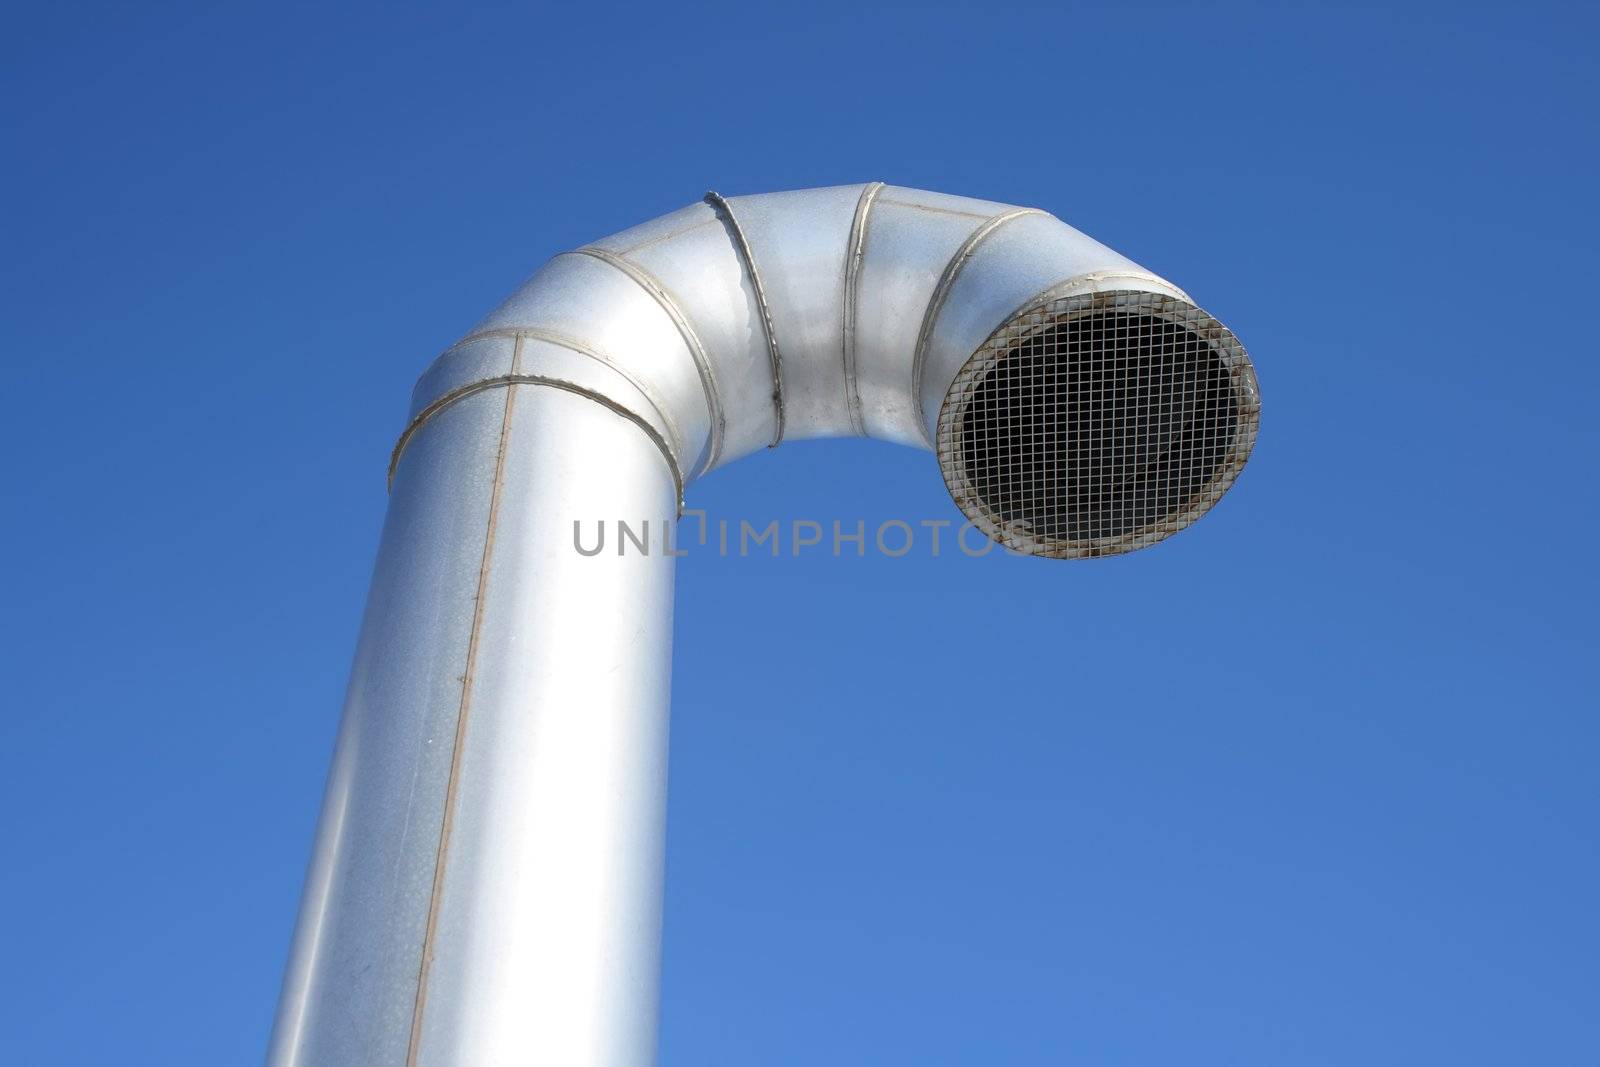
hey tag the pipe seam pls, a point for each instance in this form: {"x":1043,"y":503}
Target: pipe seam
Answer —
{"x":702,"y":362}
{"x":555,"y":383}
{"x":855,"y":251}
{"x":570,"y":716}
{"x":571,"y":344}
{"x":463,"y":713}
{"x":933,"y":209}
{"x":742,"y":244}
{"x":941,"y":292}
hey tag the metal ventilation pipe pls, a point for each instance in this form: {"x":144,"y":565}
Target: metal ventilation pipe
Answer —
{"x":486,"y":882}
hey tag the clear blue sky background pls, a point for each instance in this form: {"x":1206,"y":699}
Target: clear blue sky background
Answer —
{"x":1312,"y":783}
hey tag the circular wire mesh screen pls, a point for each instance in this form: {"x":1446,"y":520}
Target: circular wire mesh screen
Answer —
{"x":1096,"y":424}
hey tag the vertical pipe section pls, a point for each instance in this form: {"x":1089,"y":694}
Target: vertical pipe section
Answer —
{"x":545,"y":947}
{"x":486,"y":885}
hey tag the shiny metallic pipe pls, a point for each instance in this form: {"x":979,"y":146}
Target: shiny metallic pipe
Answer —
{"x":486,"y":881}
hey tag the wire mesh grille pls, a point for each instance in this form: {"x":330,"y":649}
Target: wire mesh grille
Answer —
{"x":1096,"y":424}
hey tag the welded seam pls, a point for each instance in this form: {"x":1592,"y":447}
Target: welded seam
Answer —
{"x":725,"y":209}
{"x":941,"y":292}
{"x":661,"y":236}
{"x":572,"y":344}
{"x":462,"y":714}
{"x":934,"y":209}
{"x":697,"y":351}
{"x":486,"y":384}
{"x":852,"y":282}
{"x":1078,"y":284}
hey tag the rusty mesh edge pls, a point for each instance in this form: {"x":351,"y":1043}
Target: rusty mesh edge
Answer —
{"x":1050,"y":311}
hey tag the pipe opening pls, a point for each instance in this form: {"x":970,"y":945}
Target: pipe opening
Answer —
{"x":1095,"y":424}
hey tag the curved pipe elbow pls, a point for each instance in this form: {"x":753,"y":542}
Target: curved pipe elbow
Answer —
{"x":736,"y":323}
{"x":731,"y":326}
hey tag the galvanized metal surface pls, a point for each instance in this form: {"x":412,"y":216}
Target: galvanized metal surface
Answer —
{"x":852,"y":300}
{"x":485,"y":887}
{"x":753,"y":272}
{"x":851,"y":308}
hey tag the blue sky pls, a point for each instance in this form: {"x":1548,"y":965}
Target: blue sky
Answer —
{"x":1311,"y":783}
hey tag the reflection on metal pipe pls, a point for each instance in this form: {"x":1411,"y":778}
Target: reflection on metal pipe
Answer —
{"x":486,"y":882}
